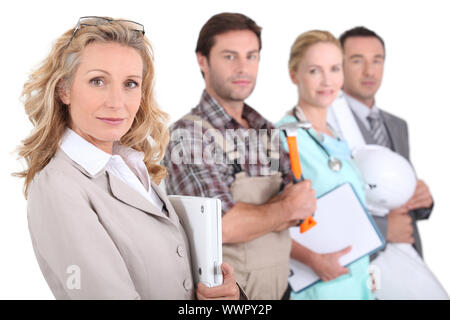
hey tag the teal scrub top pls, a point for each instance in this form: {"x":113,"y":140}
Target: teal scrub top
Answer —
{"x":314,"y":162}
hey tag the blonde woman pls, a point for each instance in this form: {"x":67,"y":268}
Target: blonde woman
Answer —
{"x":101,"y":227}
{"x":315,"y":67}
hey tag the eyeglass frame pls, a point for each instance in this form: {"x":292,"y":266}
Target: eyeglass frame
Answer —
{"x":109,"y":20}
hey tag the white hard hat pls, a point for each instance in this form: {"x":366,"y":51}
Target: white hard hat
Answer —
{"x":390,"y":179}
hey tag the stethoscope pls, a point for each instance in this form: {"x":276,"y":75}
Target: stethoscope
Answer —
{"x":333,"y":163}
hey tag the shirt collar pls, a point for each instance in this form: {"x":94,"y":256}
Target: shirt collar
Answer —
{"x":129,"y":154}
{"x":91,"y":158}
{"x":361,"y":110}
{"x":219,"y":118}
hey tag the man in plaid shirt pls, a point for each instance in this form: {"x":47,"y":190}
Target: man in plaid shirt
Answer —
{"x":228,"y":54}
{"x":192,"y":171}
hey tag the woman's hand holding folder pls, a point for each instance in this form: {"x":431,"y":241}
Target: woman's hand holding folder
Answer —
{"x":229,"y":290}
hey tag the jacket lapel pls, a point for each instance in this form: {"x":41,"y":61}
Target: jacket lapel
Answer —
{"x":391,"y":130}
{"x":162,"y":195}
{"x":128,"y":195}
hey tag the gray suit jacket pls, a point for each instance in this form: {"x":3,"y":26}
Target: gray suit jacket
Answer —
{"x":95,"y":237}
{"x":397,"y":130}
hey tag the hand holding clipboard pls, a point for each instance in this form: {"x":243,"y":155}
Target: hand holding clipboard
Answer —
{"x":342,"y":221}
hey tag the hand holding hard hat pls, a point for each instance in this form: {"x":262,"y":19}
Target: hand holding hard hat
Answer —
{"x":399,"y":226}
{"x":390,"y":183}
{"x":422,"y":197}
{"x":390,"y":179}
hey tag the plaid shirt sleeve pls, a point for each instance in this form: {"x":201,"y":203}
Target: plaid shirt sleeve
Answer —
{"x":193,"y":172}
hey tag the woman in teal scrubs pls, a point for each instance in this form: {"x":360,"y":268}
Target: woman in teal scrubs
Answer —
{"x":315,"y":67}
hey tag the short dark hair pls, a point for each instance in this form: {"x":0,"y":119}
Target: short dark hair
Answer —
{"x":359,"y":32}
{"x":221,"y":23}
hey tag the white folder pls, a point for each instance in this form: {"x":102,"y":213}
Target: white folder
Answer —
{"x":342,"y":221}
{"x":202,"y":221}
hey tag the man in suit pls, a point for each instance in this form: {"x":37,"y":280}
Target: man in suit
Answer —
{"x":364,"y":55}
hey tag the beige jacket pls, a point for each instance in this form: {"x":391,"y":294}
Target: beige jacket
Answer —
{"x":95,"y":237}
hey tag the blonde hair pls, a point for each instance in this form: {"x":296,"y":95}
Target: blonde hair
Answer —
{"x":306,"y":40}
{"x":50,"y":117}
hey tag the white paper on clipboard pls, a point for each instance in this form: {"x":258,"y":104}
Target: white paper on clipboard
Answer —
{"x":341,"y":221}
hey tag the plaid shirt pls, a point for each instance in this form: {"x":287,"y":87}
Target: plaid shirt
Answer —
{"x":194,"y":172}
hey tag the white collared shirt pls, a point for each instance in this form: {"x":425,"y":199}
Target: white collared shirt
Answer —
{"x":360,"y":109}
{"x":125,"y":163}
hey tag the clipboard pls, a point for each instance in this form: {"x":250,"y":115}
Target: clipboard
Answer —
{"x":342,"y":220}
{"x":202,"y":221}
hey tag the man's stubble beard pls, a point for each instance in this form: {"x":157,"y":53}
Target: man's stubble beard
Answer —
{"x":225,"y":92}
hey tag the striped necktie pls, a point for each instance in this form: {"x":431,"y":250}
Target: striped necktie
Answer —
{"x":377,"y":129}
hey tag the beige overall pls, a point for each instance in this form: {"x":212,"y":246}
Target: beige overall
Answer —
{"x":261,"y":265}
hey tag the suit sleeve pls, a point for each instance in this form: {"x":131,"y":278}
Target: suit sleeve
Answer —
{"x":423,"y":213}
{"x":76,"y":255}
{"x":381,"y":223}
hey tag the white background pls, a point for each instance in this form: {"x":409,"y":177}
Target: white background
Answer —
{"x":415,"y":87}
